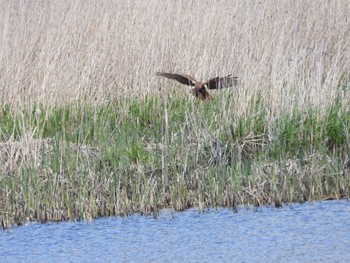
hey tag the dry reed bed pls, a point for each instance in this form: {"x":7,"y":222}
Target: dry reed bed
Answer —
{"x":87,"y":129}
{"x":59,"y":52}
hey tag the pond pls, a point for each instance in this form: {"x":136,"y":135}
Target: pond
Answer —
{"x":311,"y":232}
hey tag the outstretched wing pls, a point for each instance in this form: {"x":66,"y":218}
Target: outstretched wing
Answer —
{"x":222,"y":82}
{"x":184,"y":79}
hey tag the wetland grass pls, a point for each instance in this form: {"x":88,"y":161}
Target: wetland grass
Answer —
{"x":83,"y":162}
{"x":88,"y":130}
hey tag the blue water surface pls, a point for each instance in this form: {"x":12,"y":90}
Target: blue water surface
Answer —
{"x":312,"y":232}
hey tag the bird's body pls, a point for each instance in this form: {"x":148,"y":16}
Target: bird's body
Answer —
{"x":200,"y":91}
{"x":200,"y":88}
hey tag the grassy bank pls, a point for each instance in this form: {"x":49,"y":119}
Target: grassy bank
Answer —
{"x":127,"y":156}
{"x":87,"y":129}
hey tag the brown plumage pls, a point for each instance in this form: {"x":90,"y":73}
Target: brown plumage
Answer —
{"x":200,"y":88}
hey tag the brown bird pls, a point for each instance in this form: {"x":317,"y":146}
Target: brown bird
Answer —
{"x":200,"y":88}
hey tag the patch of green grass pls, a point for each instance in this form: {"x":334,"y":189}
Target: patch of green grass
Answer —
{"x":139,"y":156}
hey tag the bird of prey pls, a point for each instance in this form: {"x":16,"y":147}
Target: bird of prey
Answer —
{"x":200,"y":88}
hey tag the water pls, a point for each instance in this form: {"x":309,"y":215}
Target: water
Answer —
{"x":312,"y":232}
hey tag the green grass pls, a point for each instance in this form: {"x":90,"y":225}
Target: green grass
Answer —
{"x":141,"y":155}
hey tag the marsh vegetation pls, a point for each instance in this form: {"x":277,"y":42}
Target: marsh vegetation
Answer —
{"x":87,"y":130}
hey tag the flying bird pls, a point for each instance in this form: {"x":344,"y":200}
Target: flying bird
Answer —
{"x":200,"y":88}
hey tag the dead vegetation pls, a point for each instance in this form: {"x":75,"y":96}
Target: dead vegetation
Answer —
{"x":88,"y":130}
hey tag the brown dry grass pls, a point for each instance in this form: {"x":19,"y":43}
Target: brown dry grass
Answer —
{"x":296,"y":52}
{"x":76,"y":156}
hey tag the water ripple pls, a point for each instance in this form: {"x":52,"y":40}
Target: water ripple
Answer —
{"x":317,"y":232}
